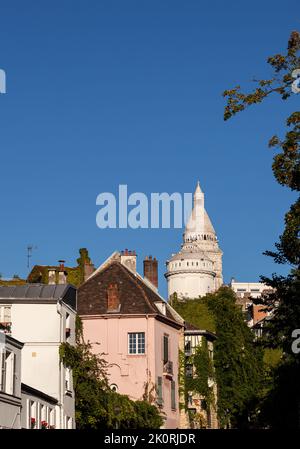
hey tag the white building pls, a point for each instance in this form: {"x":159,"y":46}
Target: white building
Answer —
{"x":38,"y":409}
{"x":197,"y":269}
{"x":253,"y":289}
{"x":201,"y":414}
{"x":10,"y":382}
{"x":42,"y":317}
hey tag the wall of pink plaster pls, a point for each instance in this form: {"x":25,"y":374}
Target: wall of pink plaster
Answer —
{"x":131,"y":373}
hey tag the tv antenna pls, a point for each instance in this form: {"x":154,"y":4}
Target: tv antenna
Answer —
{"x":30,"y":248}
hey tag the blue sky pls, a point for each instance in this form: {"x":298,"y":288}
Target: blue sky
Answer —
{"x":102,"y":93}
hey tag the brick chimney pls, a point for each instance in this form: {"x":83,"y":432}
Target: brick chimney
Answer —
{"x":88,"y":270}
{"x":62,"y":274}
{"x":128,"y":258}
{"x":151,"y":270}
{"x":51,"y":276}
{"x":113,"y":299}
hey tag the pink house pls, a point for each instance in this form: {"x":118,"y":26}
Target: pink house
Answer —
{"x":138,"y":333}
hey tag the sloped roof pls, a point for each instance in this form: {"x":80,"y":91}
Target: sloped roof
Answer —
{"x":136,"y":297}
{"x":39,"y":292}
{"x":190,"y":329}
{"x":33,"y":291}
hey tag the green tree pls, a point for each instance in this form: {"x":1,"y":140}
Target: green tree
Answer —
{"x":238,"y":361}
{"x":285,"y":301}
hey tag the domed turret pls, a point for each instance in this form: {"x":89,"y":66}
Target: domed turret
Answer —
{"x":197,"y":269}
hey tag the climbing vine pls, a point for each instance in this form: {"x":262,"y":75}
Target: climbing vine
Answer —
{"x":203,"y":373}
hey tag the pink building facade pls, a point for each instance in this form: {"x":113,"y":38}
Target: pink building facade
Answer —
{"x":136,"y":331}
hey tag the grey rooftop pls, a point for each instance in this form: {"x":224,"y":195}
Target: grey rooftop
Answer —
{"x":40,"y":292}
{"x":34,"y":291}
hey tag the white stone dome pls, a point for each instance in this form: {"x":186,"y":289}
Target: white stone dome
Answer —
{"x":197,"y":268}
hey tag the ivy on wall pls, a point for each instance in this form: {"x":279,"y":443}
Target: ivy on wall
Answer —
{"x":75,"y":275}
{"x":203,"y":372}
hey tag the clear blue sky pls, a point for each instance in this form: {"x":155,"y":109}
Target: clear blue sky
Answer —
{"x":102,"y":93}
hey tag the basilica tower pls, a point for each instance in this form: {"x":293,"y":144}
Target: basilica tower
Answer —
{"x":197,"y":268}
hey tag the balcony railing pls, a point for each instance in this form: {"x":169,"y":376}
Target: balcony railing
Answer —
{"x":168,"y":369}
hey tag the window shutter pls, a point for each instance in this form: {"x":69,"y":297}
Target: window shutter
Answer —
{"x":173,"y":395}
{"x":166,"y":348}
{"x":2,"y":370}
{"x":159,"y":391}
{"x":14,"y":370}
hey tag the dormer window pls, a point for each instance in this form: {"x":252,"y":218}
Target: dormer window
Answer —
{"x":161,"y":305}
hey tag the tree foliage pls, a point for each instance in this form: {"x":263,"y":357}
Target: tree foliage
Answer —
{"x":280,"y":83}
{"x":284,"y":302}
{"x":238,"y":362}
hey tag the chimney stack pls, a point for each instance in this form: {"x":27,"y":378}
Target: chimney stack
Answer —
{"x":51,"y":276}
{"x":151,"y":270}
{"x":88,"y":270}
{"x":62,"y":274}
{"x":128,"y":258}
{"x":113,"y":300}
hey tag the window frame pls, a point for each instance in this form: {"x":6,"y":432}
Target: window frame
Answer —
{"x":137,"y":346}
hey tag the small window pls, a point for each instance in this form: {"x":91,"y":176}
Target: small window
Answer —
{"x":43,"y":413}
{"x":68,"y":377}
{"x":188,"y":348}
{"x":52,"y":418}
{"x":189,"y":370}
{"x":32,"y":415}
{"x":136,"y":343}
{"x":114,"y":388}
{"x":69,"y":422}
{"x":7,"y":372}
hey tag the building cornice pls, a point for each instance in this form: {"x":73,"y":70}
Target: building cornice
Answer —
{"x":189,"y":271}
{"x":115,"y":315}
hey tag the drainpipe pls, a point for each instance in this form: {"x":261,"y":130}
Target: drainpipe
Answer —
{"x":148,"y":377}
{"x":148,"y":350}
